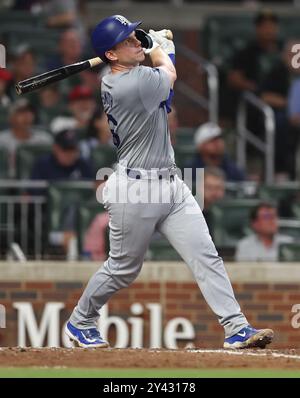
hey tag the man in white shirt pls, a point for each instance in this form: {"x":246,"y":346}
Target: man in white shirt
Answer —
{"x":264,"y":243}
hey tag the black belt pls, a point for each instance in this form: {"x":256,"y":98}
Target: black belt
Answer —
{"x":136,"y":174}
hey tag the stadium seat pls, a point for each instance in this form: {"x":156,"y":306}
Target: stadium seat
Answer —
{"x":289,"y":252}
{"x":104,"y":156}
{"x":290,"y":228}
{"x":3,"y":118}
{"x":21,"y":18}
{"x":245,"y":189}
{"x":279,"y":191}
{"x":26,"y":157}
{"x":185,"y":136}
{"x":161,"y":250}
{"x":3,"y":163}
{"x":183,"y":155}
{"x":86,"y":213}
{"x":229,"y":221}
{"x":224,"y":34}
{"x":66,"y":197}
{"x":42,"y":41}
{"x":286,"y":196}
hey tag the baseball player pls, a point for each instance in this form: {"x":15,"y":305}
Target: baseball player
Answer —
{"x":136,"y":100}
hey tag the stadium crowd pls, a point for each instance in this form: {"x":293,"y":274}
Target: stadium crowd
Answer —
{"x":60,"y":134}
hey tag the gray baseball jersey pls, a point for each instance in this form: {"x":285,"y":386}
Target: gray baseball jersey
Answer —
{"x":133,"y":101}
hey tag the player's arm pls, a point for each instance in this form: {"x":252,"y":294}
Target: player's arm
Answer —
{"x":162,"y":54}
{"x":161,"y":60}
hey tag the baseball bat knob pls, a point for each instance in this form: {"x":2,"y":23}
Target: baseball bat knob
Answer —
{"x":169,"y":34}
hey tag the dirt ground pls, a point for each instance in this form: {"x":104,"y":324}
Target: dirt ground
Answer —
{"x":146,"y":358}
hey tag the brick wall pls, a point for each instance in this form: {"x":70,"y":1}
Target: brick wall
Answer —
{"x":266,"y":304}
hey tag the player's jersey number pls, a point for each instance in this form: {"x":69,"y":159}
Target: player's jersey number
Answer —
{"x":112,"y":125}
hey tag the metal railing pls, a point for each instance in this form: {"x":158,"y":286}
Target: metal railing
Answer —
{"x":210,"y":104}
{"x":245,"y":136}
{"x":21,"y":218}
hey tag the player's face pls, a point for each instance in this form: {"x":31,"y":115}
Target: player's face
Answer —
{"x":129,"y":52}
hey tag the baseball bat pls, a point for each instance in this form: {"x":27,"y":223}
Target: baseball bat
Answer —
{"x":42,"y":80}
{"x":55,"y":75}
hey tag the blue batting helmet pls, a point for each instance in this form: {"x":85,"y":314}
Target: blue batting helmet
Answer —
{"x":111,"y":31}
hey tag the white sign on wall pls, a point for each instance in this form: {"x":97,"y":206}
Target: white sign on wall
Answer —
{"x":129,"y":332}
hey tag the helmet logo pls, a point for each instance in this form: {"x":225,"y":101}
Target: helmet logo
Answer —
{"x":123,"y":20}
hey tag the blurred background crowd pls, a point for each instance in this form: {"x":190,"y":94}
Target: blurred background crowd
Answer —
{"x":236,"y":113}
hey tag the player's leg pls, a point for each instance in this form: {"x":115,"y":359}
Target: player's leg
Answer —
{"x":131,"y":228}
{"x":187,"y":231}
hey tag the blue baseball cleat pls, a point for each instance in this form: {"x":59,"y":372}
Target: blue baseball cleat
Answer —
{"x":249,"y":337}
{"x":86,"y":338}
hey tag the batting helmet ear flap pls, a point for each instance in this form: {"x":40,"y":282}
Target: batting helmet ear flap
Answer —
{"x":144,"y":38}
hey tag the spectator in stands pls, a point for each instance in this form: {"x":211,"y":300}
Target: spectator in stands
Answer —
{"x":5,"y":78}
{"x":263,"y":244}
{"x":70,"y":50}
{"x":21,"y":131}
{"x":23,"y":66}
{"x":50,"y":105}
{"x":280,"y":90}
{"x":58,"y":14}
{"x":92,"y":77}
{"x":293,"y":112}
{"x":251,"y":64}
{"x":214,"y":186}
{"x":98,"y":133}
{"x":65,"y":162}
{"x":210,"y":148}
{"x":214,"y":189}
{"x":95,"y":238}
{"x":82,"y":106}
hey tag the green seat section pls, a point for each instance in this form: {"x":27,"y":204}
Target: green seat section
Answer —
{"x":289,"y":252}
{"x":290,"y":227}
{"x":183,"y":155}
{"x":3,"y":118}
{"x":222,"y":35}
{"x":26,"y":157}
{"x":296,"y":210}
{"x":104,"y":156}
{"x":3,"y":163}
{"x":86,"y":214}
{"x":286,"y":195}
{"x":18,"y":17}
{"x":43,"y":41}
{"x":64,"y":200}
{"x":185,"y":136}
{"x":229,"y":221}
{"x":161,"y":250}
{"x":279,"y":191}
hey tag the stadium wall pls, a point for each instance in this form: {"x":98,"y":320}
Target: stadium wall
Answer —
{"x":163,"y":308}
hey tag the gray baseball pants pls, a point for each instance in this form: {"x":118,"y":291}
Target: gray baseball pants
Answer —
{"x":132,"y":225}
